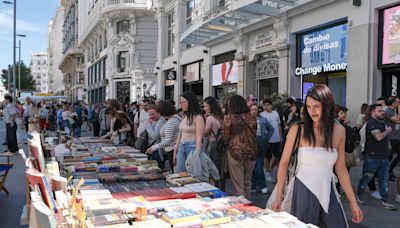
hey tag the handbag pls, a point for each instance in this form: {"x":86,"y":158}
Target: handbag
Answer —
{"x":287,"y":202}
{"x":142,"y":142}
{"x":350,"y":159}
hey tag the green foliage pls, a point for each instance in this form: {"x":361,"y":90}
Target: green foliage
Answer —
{"x":27,"y":82}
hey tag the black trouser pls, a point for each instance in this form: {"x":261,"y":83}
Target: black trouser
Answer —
{"x":96,"y":129}
{"x":395,"y":150}
{"x":26,"y":122}
{"x":11,"y":137}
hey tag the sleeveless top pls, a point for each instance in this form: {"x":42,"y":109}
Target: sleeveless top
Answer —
{"x":188,"y":131}
{"x":315,"y":171}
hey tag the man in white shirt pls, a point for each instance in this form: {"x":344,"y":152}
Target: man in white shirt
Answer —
{"x":273,"y":153}
{"x":10,"y":115}
{"x":140,"y":118}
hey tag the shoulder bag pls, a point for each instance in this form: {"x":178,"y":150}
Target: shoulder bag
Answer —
{"x":287,"y":202}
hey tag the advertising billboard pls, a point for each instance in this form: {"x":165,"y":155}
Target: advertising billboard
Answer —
{"x":391,"y":36}
{"x":323,"y":50}
{"x":225,"y":73}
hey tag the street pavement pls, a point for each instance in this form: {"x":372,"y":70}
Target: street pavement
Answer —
{"x":11,"y":206}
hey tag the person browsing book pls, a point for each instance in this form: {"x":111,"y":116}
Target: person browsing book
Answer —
{"x":120,"y":126}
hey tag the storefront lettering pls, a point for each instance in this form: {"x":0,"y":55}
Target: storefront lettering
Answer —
{"x":264,"y":39}
{"x":327,"y":67}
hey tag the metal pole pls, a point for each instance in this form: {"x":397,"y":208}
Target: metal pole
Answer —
{"x":9,"y":79}
{"x":14,"y":46}
{"x":19,"y":66}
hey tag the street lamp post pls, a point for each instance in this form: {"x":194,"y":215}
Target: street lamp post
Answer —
{"x":19,"y":61}
{"x":14,"y":44}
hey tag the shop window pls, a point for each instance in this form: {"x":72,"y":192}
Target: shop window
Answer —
{"x":105,"y":38}
{"x":121,"y":61}
{"x":104,"y":68}
{"x":171,"y":33}
{"x":123,"y":27}
{"x":194,"y":10}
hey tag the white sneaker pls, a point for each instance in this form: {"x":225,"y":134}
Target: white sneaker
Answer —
{"x":397,"y":198}
{"x":376,"y":195}
{"x":388,"y":206}
{"x":264,"y":190}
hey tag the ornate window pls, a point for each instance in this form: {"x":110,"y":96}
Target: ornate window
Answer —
{"x":267,"y":67}
{"x":123,"y":26}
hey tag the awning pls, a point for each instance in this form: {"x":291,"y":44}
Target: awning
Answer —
{"x":233,"y":15}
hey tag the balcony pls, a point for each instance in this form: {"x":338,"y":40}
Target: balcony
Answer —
{"x":233,"y":15}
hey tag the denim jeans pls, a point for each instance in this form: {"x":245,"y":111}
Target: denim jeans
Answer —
{"x":371,"y":166}
{"x":258,"y":178}
{"x":183,"y":152}
{"x":160,"y":158}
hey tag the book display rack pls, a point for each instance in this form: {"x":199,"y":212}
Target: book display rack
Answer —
{"x":97,"y":184}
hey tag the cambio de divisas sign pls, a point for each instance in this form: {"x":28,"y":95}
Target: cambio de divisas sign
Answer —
{"x":321,"y":43}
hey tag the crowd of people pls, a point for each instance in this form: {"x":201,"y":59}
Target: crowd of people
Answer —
{"x":248,"y":139}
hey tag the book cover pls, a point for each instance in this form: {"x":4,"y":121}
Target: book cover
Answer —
{"x":44,"y":215}
{"x":111,"y":219}
{"x":37,"y":178}
{"x":158,"y":223}
{"x":214,"y":217}
{"x":180,"y":216}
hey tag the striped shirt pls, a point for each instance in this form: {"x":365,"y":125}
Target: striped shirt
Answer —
{"x":169,"y":134}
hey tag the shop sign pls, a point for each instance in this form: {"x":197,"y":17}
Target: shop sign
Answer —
{"x":263,"y":39}
{"x":324,"y":50}
{"x":391,"y":36}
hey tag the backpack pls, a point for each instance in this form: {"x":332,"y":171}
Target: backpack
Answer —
{"x":351,"y":139}
{"x":221,"y":145}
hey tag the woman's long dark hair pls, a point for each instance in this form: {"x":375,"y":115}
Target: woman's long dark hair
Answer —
{"x":324,"y":95}
{"x":193,"y":107}
{"x":215,"y":108}
{"x":237,"y":105}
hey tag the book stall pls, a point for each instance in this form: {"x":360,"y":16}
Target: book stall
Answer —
{"x":97,"y":184}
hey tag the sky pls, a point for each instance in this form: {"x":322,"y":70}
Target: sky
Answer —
{"x":33,"y":17}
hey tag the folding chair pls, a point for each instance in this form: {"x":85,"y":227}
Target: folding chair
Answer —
{"x":4,"y":168}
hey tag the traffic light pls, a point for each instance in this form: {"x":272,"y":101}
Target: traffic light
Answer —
{"x":4,"y":71}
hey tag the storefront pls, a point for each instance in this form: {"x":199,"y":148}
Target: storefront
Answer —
{"x":322,"y":59}
{"x":193,"y":78}
{"x":265,"y":62}
{"x":389,"y":49}
{"x":224,"y":76}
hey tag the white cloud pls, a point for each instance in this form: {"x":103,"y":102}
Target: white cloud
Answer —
{"x":6,"y":22}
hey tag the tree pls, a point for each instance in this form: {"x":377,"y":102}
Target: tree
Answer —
{"x":27,"y":82}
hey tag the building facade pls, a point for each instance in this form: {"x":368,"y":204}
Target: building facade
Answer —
{"x":118,"y":40}
{"x":40,"y":71}
{"x":72,"y":61}
{"x":217,"y":48}
{"x":55,"y":37}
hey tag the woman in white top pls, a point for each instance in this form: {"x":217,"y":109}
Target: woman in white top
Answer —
{"x":361,"y":116}
{"x":191,"y":130}
{"x":67,"y":120}
{"x":321,"y":148}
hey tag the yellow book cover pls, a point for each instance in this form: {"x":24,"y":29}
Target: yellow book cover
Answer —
{"x":214,"y":217}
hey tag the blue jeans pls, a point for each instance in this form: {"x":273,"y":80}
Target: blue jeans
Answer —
{"x":371,"y":166}
{"x":78,"y":131}
{"x":184,"y":150}
{"x":258,"y":178}
{"x":159,"y":157}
